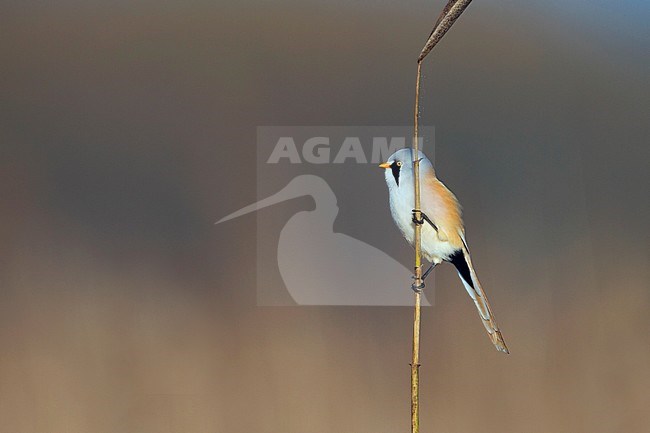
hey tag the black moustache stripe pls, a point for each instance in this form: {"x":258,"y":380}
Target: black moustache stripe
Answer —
{"x":395,"y":169}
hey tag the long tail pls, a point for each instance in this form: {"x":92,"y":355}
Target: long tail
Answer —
{"x":463,"y":263}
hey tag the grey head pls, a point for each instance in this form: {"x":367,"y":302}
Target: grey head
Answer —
{"x":399,"y":168}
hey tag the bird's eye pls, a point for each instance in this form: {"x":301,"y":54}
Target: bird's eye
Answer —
{"x":399,"y":163}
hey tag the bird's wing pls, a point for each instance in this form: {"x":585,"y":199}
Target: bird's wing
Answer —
{"x":436,"y":197}
{"x":463,"y":263}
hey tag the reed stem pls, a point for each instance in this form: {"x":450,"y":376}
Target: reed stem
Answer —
{"x":415,"y":362}
{"x":449,"y":15}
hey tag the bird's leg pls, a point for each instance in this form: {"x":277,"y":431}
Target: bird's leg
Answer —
{"x":418,"y":288}
{"x":428,"y":271}
{"x":423,"y":218}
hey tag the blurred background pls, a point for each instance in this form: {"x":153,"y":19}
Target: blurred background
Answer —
{"x":128,"y":128}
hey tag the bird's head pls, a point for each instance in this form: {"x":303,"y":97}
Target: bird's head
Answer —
{"x":399,"y":168}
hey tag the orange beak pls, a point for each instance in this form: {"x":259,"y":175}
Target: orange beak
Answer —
{"x":385,"y":165}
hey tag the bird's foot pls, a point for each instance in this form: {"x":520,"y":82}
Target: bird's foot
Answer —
{"x":417,"y":288}
{"x":417,"y":285}
{"x":422,"y":219}
{"x":415,"y":219}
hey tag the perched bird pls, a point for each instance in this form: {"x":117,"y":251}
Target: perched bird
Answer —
{"x":443,"y":238}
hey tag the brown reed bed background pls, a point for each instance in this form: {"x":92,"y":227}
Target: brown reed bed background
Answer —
{"x":124,"y":310}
